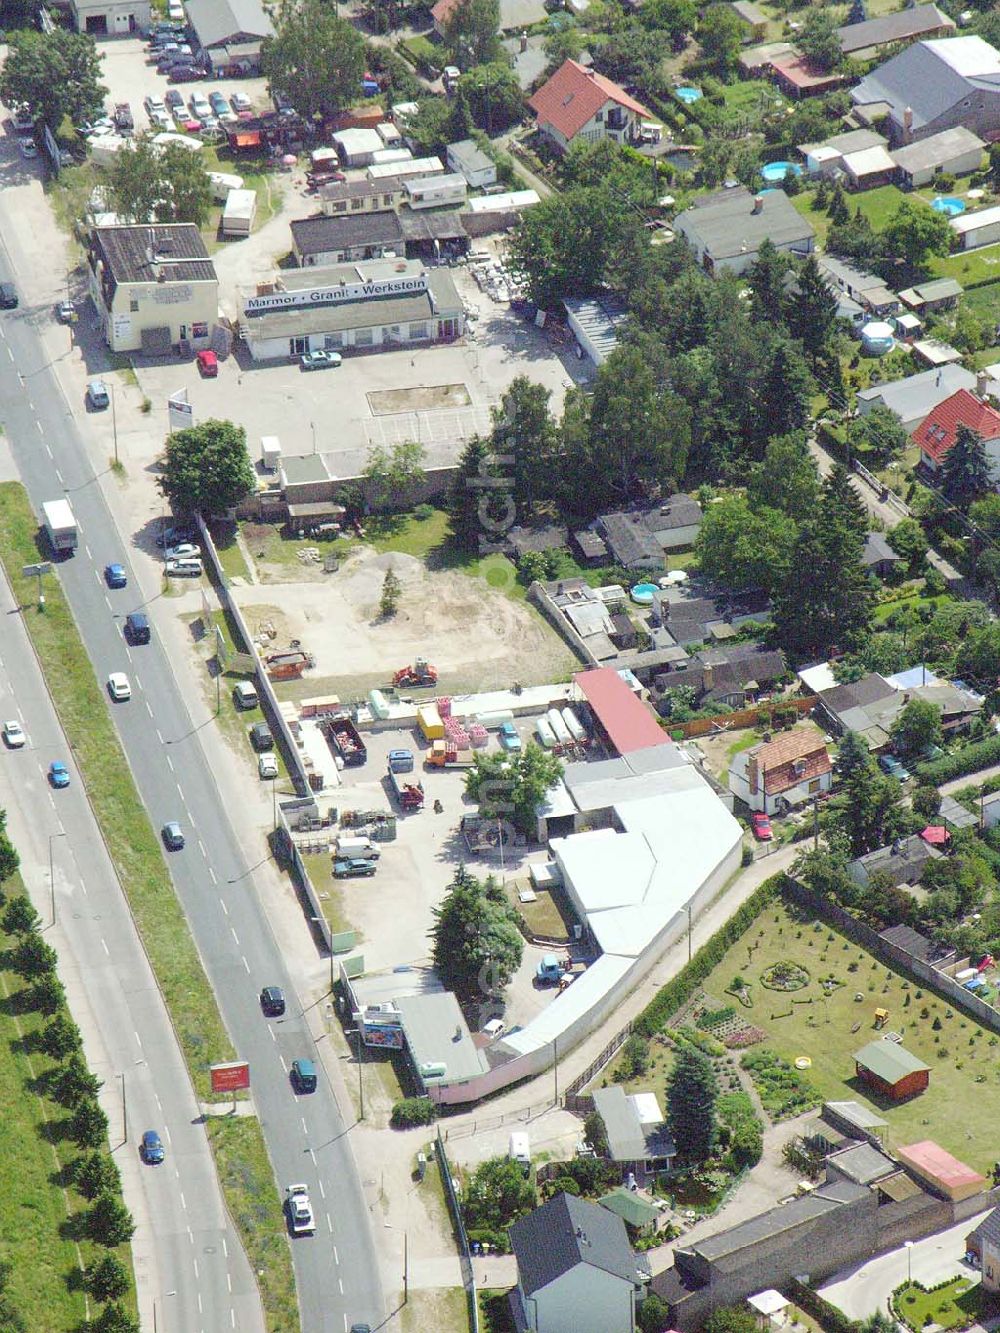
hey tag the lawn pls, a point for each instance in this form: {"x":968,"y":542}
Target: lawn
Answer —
{"x":331,"y":892}
{"x":955,"y":1305}
{"x":407,"y":534}
{"x":234,"y":565}
{"x":968,"y":266}
{"x":545,"y":916}
{"x":877,"y":206}
{"x":820,"y":1027}
{"x":267,"y":545}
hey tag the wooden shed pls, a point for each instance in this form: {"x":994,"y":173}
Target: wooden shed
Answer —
{"x":891,"y":1070}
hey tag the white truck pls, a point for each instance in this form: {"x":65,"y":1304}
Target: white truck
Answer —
{"x":57,"y":517}
{"x":239,"y":212}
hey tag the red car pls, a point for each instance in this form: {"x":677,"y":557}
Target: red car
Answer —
{"x":761,"y":826}
{"x":208,"y":365}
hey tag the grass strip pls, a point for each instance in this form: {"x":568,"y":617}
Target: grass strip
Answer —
{"x":135,"y":851}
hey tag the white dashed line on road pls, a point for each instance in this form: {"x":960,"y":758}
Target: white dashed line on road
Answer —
{"x":170,"y":763}
{"x":246,"y":964}
{"x":149,"y":708}
{"x":104,"y":945}
{"x":340,"y":1284}
{"x":336,"y":1256}
{"x":229,"y":1282}
{"x":138,"y":1039}
{"x":274,"y":1035}
{"x":329,"y":1224}
{"x":201,"y":848}
{"x":232,"y":931}
{"x":184,"y":1206}
{"x":305,"y":1127}
{"x":225,"y":1247}
{"x":322,"y":1191}
{"x":283,"y":1064}
{"x":224,"y":907}
{"x":211,"y":875}
{"x":195,"y":1261}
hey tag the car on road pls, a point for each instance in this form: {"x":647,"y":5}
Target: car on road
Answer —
{"x":137,"y":627}
{"x":183,"y":551}
{"x":8,"y":296}
{"x":177,"y":532}
{"x":13,"y":734}
{"x":115,"y":576}
{"x":58,"y":773}
{"x":151,"y":1148}
{"x":97,"y":395}
{"x":119,"y":687}
{"x":272,"y":1001}
{"x":66,"y":312}
{"x":267,"y":765}
{"x":353,"y":867}
{"x":299,"y":1209}
{"x":240,"y":102}
{"x":320,"y":360}
{"x":508,"y":737}
{"x":361,"y":1328}
{"x":28,"y":148}
{"x":303,"y":1076}
{"x":208,"y":364}
{"x":761,"y":826}
{"x":188,"y":568}
{"x":173,"y":836}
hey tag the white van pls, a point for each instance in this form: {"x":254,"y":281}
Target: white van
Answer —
{"x":364,"y":847}
{"x":519,"y":1150}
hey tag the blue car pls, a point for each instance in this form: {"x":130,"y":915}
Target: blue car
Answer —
{"x":58,"y":773}
{"x":115,"y":576}
{"x":153,"y":1151}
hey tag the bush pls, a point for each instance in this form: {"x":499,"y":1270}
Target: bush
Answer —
{"x":634,"y":1059}
{"x":971,"y":758}
{"x":423,"y":512}
{"x":412,"y":1111}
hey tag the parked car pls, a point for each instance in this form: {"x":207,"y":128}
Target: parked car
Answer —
{"x":154,"y":103}
{"x":58,"y":773}
{"x":173,"y":99}
{"x":162,"y":120}
{"x":354,"y":867}
{"x":549,"y":971}
{"x":240,"y":102}
{"x":199,"y":105}
{"x":119,"y":687}
{"x":891,"y":765}
{"x":177,"y":532}
{"x":115,"y":576}
{"x":66,"y":312}
{"x":185,"y":74}
{"x":28,"y":148}
{"x":272,"y":1001}
{"x":320,"y":360}
{"x":208,"y":364}
{"x":173,"y":836}
{"x":260,"y":737}
{"x":267,"y":765}
{"x":97,"y":395}
{"x":245,"y":694}
{"x":190,"y":567}
{"x":151,"y":1148}
{"x":218,"y":103}
{"x":8,"y":296}
{"x":761,"y":826}
{"x":184,"y":551}
{"x":508,"y":737}
{"x":13,"y":734}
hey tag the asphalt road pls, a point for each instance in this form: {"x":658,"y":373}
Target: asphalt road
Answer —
{"x":336,"y":1270}
{"x":186,"y":1244}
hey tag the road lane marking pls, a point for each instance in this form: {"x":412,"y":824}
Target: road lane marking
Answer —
{"x":246,"y":964}
{"x":329,"y":1224}
{"x":128,"y":652}
{"x":104,"y":944}
{"x":159,"y":735}
{"x":224,"y":907}
{"x":170,"y":763}
{"x":232,"y":1318}
{"x":200,"y":1310}
{"x":229,"y":1282}
{"x":138,"y":1039}
{"x":305,"y":1127}
{"x":149,"y":708}
{"x":184,"y":1206}
{"x":340,"y":1284}
{"x":211,"y":875}
{"x":201,"y":848}
{"x":159,"y":1104}
{"x":167,"y":1133}
{"x":322,"y":1194}
{"x":190,"y":1235}
{"x":138,"y":682}
{"x":195,"y":1261}
{"x":225,"y":1247}
{"x":283,"y":1064}
{"x":232,"y":931}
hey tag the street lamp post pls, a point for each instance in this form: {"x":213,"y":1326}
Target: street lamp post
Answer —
{"x":909,"y":1261}
{"x":687,"y":908}
{"x":124,"y":1111}
{"x":114,"y":419}
{"x":356,"y":1032}
{"x":160,"y":1299}
{"x":52,"y":875}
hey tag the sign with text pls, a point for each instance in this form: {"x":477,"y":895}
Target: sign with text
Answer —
{"x":180,"y":413}
{"x":343,"y":291}
{"x":232,"y":1077}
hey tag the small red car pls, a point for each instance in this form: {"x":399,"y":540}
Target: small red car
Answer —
{"x":208,"y":365}
{"x":761,"y":826}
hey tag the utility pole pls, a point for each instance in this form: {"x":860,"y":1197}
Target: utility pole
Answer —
{"x":124,"y":1111}
{"x":406,"y":1268}
{"x":52,"y":876}
{"x":114,"y":420}
{"x":555,"y":1067}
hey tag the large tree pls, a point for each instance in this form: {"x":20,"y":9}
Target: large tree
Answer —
{"x":512,"y":786}
{"x":188,"y":185}
{"x":110,"y":1222}
{"x":481,"y":499}
{"x":818,"y":39}
{"x":692,"y":1093}
{"x":477,"y":946}
{"x":869,"y":810}
{"x":524,"y":441}
{"x":206,"y":468}
{"x":53,"y":75}
{"x":9,"y":859}
{"x":471,"y":31}
{"x":742,"y":547}
{"x":493,"y":96}
{"x":159,"y":182}
{"x":811,"y":310}
{"x":787,"y":478}
{"x":843,"y":508}
{"x":826,"y":600}
{"x":915,"y":233}
{"x":766,"y":276}
{"x":497,"y":1194}
{"x":315,"y":58}
{"x":720,"y":35}
{"x":917,"y":728}
{"x":780,"y":400}
{"x":965,"y":471}
{"x":879,"y":434}
{"x":391,"y":473}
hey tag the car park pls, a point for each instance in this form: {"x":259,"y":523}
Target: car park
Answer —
{"x":303,"y":1076}
{"x":354,"y":867}
{"x":761,"y":826}
{"x":245,"y":694}
{"x":115,"y":576}
{"x":58,"y":773}
{"x":208,"y":364}
{"x":267,"y":765}
{"x":173,"y":836}
{"x":151,"y":1148}
{"x":119,"y":687}
{"x":97,"y":394}
{"x":299,"y":1209}
{"x":272,"y":1001}
{"x":320,"y":360}
{"x":13,"y":734}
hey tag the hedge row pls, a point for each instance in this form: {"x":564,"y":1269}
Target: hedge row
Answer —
{"x":980,"y":754}
{"x":826,"y":1315}
{"x":654,"y":1017}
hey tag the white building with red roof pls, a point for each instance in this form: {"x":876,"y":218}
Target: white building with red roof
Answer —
{"x":936,"y":434}
{"x":579,"y":105}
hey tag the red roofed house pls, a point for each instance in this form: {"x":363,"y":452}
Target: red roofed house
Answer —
{"x":936,"y":434}
{"x":778,"y":774}
{"x":441,"y":13}
{"x":797,"y":76}
{"x":578,"y":104}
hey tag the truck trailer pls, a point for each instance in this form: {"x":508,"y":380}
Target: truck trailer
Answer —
{"x":346,"y":740}
{"x":57,"y":517}
{"x":410,"y":795}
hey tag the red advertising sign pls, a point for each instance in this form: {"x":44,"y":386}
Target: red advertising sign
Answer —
{"x":230,"y":1077}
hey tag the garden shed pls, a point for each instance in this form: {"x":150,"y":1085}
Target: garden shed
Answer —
{"x":891,"y":1070}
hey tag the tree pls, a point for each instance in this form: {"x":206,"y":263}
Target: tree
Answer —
{"x":471,"y":32}
{"x":115,"y":1319}
{"x":978,"y":657}
{"x":907,"y":539}
{"x":513,"y":786}
{"x":206,"y":468}
{"x":674,"y":17}
{"x":811,"y":310}
{"x":95,"y":1174}
{"x":843,"y":508}
{"x":595,"y":1133}
{"x":852,"y":755}
{"x":766,"y":276}
{"x":916,"y":728}
{"x":818,"y":39}
{"x":653,"y":1315}
{"x":19,"y":917}
{"x":187,"y":184}
{"x":481,"y":501}
{"x":460,"y":122}
{"x":53,"y":75}
{"x":497,"y":1194}
{"x":47,"y":994}
{"x":89,"y":1124}
{"x":869,"y":811}
{"x":743,"y":547}
{"x":692,"y":1093}
{"x":524,"y":442}
{"x":60,"y":1037}
{"x":34,"y":957}
{"x":826,"y":600}
{"x":107,"y":1279}
{"x":781,"y":393}
{"x":315,"y":58}
{"x":390,"y":474}
{"x":74,"y":1083}
{"x":110,"y":1222}
{"x":9,"y":860}
{"x":11,"y":1319}
{"x":879,"y":434}
{"x":965,"y":471}
{"x":926,"y":802}
{"x":720,"y":35}
{"x":730,"y":1319}
{"x":135,"y":181}
{"x":786,"y":479}
{"x":477,"y":945}
{"x":915,"y":232}
{"x":494,"y":96}
{"x":984,"y":513}
{"x":391,"y":590}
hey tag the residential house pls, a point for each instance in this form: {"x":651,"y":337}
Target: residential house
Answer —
{"x":869,"y":291}
{"x":623,"y":632}
{"x":578,"y":105}
{"x":878,"y":556}
{"x":956,"y":151}
{"x":595,"y":323}
{"x":934,"y":86}
{"x":755,"y":62}
{"x":938,"y":432}
{"x":826,"y":158}
{"x":576,"y":1272}
{"x":640,"y":538}
{"x":470,"y":161}
{"x":798,"y":76}
{"x":984,"y":1244}
{"x":752,"y":19}
{"x":914,"y":398}
{"x":926,"y":298}
{"x":726,"y":229}
{"x":154,"y":287}
{"x":441,"y":12}
{"x":342,"y":197}
{"x":734,"y":675}
{"x":864,"y":40}
{"x":869,"y":168}
{"x":538,"y":539}
{"x":230,"y":33}
{"x":590,"y":548}
{"x":871,"y":705}
{"x":341,"y":240}
{"x":892,"y":1070}
{"x":781,"y":773}
{"x":639,"y":1142}
{"x":989,"y":809}
{"x":903,"y":861}
{"x":974,"y":230}
{"x":641,"y":1217}
{"x":110,"y":18}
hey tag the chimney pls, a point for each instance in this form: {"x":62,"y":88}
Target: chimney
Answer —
{"x":982,"y":384}
{"x":524,"y":41}
{"x":907,"y":124}
{"x":758,"y":203}
{"x":708,"y":676}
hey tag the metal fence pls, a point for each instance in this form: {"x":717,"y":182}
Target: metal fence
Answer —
{"x":464,"y":1252}
{"x":483,"y":1123}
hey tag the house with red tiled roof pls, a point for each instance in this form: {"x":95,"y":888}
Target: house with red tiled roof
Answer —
{"x":936,"y":434}
{"x":579,"y":105}
{"x":441,"y":13}
{"x":783,"y":772}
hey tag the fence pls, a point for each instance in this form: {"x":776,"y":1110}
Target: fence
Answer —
{"x":464,"y":1253}
{"x":483,"y":1123}
{"x":748,"y":717}
{"x":595,"y":1067}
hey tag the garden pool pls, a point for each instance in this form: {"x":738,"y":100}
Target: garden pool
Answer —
{"x":688,"y":95}
{"x":643,"y":593}
{"x":947,"y":203}
{"x":777,"y":171}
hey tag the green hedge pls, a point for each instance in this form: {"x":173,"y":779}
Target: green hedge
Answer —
{"x":828,"y":1316}
{"x":654,"y":1017}
{"x":980,"y":754}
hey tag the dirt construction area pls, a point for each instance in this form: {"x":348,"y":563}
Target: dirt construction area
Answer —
{"x":475,"y":636}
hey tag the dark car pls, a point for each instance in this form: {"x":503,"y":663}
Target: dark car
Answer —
{"x":185,"y":74}
{"x":173,"y":836}
{"x":176,"y":533}
{"x":303,"y":1076}
{"x":8,"y":296}
{"x":260,"y":737}
{"x":115,"y":576}
{"x":137,"y":627}
{"x":152,"y":1149}
{"x":272,"y":1001}
{"x":353,"y":867}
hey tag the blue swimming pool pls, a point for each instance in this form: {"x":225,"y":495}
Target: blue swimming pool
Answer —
{"x":947,"y":203}
{"x":688,"y":95}
{"x":777,"y":171}
{"x":643,"y":593}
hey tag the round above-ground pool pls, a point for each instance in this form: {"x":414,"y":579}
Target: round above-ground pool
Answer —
{"x":777,"y":171}
{"x":643,"y":593}
{"x":947,"y":203}
{"x":688,"y":94}
{"x":877,"y":338}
